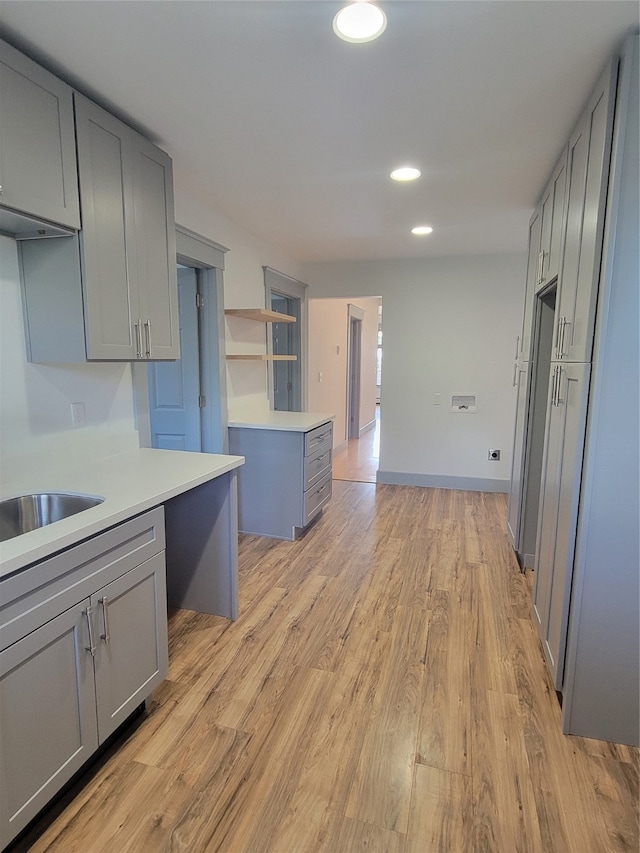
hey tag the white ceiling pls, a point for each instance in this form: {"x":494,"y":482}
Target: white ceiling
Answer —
{"x":292,"y":133}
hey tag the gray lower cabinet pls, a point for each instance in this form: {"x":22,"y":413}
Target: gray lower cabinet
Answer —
{"x":561,"y":468}
{"x":38,"y":174}
{"x":286,"y":479}
{"x":84,"y":642}
{"x":109,"y":292}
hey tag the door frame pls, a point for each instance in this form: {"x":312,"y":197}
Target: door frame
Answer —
{"x":284,"y":285}
{"x":355,"y":317}
{"x":207,"y":257}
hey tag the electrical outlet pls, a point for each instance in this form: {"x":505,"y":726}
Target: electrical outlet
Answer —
{"x":494,"y":455}
{"x":78,"y":416}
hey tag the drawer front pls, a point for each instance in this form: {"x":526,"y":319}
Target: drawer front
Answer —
{"x":30,"y":598}
{"x":316,"y":466}
{"x":316,"y":438}
{"x":316,"y":498}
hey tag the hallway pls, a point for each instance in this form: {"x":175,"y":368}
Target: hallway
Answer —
{"x":359,"y":459}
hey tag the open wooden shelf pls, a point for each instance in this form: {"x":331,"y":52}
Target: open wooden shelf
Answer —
{"x":263,"y":357}
{"x":262,"y":315}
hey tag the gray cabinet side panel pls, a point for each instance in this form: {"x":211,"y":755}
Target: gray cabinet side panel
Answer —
{"x":202,"y":548}
{"x":52,"y":300}
{"x":603,"y":662}
{"x":270,"y":483}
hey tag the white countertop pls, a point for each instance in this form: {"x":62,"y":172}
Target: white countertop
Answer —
{"x":292,"y":421}
{"x":130,"y":482}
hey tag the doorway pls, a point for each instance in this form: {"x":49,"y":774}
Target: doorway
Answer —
{"x":354,"y":366}
{"x":174,"y":386}
{"x":287,"y":379}
{"x":285,"y":340}
{"x":182,"y":405}
{"x":542,"y":353}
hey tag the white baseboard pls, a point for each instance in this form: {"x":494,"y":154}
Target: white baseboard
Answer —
{"x":438,"y":481}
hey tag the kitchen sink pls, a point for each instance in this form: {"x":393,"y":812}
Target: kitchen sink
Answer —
{"x":28,"y":512}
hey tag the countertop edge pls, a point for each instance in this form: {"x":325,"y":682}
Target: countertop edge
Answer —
{"x":23,"y":551}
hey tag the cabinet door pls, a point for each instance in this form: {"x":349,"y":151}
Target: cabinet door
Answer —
{"x":131,"y":642}
{"x":561,"y":475}
{"x":516,"y":489}
{"x":108,"y":255}
{"x":588,"y":172}
{"x":37,"y":144}
{"x":533,"y":275}
{"x":552,"y":229}
{"x":155,"y":240}
{"x":47,"y":713}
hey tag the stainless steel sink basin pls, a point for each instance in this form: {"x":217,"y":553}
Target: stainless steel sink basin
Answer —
{"x":28,"y":512}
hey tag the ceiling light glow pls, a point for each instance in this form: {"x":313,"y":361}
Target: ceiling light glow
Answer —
{"x":405,"y":173}
{"x":421,"y":230}
{"x":359,"y":22}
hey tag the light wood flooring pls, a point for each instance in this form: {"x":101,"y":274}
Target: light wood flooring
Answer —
{"x":382,"y":690}
{"x":358,"y":459}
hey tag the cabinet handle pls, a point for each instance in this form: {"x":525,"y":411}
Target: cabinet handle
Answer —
{"x":105,"y":617}
{"x":515,"y":375}
{"x":517,"y":348}
{"x":147,"y":334}
{"x":138,"y":340}
{"x":554,"y":375}
{"x":540,"y":267}
{"x":559,"y":399}
{"x":92,"y":646}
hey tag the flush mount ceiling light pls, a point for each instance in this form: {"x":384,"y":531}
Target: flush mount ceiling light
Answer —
{"x":359,"y":22}
{"x":405,"y":173}
{"x":421,"y":230}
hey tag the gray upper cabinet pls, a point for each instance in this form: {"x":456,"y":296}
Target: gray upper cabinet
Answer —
{"x":552,"y":228}
{"x":533,"y":267}
{"x":127,"y":241}
{"x":588,"y":162}
{"x":110,"y":292}
{"x":37,"y":146}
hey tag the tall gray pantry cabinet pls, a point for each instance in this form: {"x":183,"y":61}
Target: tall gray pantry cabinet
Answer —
{"x":569,"y":319}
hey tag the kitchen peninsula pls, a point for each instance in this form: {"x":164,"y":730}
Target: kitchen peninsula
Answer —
{"x":286,"y":480}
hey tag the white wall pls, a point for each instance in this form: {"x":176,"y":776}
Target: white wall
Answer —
{"x":328,"y":334}
{"x":35,"y":399}
{"x":243,"y":287}
{"x":449,"y":326}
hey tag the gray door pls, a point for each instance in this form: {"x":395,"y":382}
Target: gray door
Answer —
{"x":131,"y":642}
{"x":174,"y":386}
{"x":47,"y":710}
{"x":560,"y":486}
{"x":287,"y":390}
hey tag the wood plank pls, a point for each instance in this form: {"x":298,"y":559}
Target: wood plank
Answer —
{"x":441,"y":811}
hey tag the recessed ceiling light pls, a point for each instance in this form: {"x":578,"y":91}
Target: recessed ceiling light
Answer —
{"x":360,"y":21}
{"x":421,"y":230}
{"x":405,"y":173}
